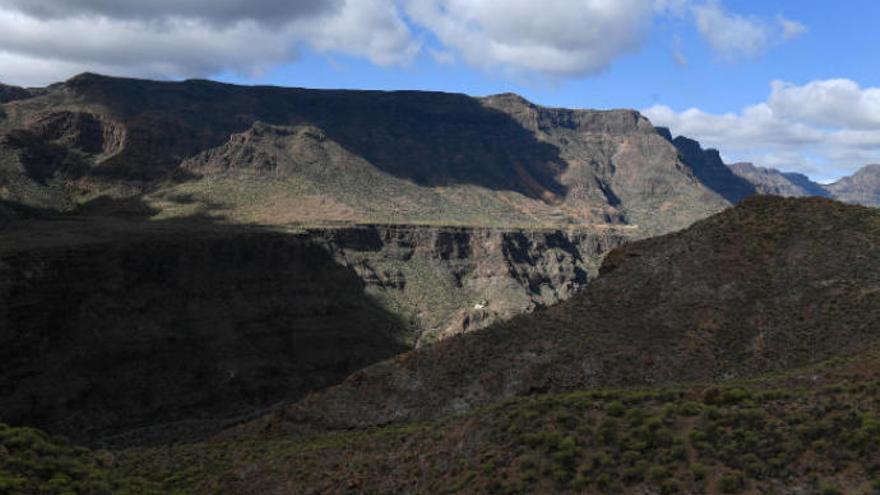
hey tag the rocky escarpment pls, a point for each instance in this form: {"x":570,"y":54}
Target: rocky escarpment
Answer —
{"x":448,"y":280}
{"x":618,"y":168}
{"x":711,"y":170}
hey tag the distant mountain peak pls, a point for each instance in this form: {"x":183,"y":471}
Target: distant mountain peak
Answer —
{"x":770,"y":181}
{"x":862,"y":187}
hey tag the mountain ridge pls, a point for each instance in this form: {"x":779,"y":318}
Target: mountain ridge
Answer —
{"x":585,"y":166}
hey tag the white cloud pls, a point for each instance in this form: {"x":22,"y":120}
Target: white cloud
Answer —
{"x":372,"y":29}
{"x":823,"y":128}
{"x":791,"y":29}
{"x":558,"y":39}
{"x":168,"y":39}
{"x":735,"y":37}
{"x":834,"y":102}
{"x":731,"y":35}
{"x":200,"y":38}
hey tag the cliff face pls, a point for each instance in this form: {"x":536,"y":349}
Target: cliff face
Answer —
{"x":711,"y":170}
{"x":445,"y":280}
{"x":618,"y":167}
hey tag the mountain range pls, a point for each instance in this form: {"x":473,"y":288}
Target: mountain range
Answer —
{"x":273,"y":290}
{"x":860,"y":188}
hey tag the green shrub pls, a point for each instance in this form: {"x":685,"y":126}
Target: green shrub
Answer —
{"x":830,"y":490}
{"x":616,"y":409}
{"x":731,"y":483}
{"x":699,"y":471}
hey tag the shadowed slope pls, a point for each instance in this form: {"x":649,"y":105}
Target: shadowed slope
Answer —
{"x":105,"y":328}
{"x":767,"y":285}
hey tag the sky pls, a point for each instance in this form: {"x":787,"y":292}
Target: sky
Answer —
{"x":789,"y":84}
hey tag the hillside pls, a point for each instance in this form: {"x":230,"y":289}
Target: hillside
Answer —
{"x":863,"y":187}
{"x":529,"y":198}
{"x":811,"y":430}
{"x":726,"y":358}
{"x":115,"y":328}
{"x":768,"y":285}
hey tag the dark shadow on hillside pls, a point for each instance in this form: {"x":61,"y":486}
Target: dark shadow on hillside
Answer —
{"x":432,"y":139}
{"x":159,"y":331}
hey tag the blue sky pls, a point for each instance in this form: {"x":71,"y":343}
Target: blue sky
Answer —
{"x":791,"y":84}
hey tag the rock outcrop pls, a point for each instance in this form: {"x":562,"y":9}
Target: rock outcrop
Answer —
{"x":448,"y":280}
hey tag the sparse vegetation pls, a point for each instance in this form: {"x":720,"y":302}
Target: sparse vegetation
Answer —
{"x":760,"y":437}
{"x":32,"y":462}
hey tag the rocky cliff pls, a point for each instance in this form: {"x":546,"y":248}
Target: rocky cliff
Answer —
{"x":448,"y":280}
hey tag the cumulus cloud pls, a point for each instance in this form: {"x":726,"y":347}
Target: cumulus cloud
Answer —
{"x":835,"y":102}
{"x":735,"y":36}
{"x":190,"y":38}
{"x":731,"y":35}
{"x":822,"y":128}
{"x":559,"y":38}
{"x":219,"y":11}
{"x":200,"y":38}
{"x":372,"y":29}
